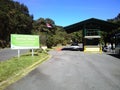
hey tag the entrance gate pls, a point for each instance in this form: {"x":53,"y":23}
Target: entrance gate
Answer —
{"x":92,"y":32}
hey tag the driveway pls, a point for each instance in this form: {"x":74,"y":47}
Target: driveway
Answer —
{"x":73,"y":70}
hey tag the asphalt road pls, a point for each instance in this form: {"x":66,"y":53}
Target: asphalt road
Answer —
{"x":73,"y":70}
{"x":8,"y":53}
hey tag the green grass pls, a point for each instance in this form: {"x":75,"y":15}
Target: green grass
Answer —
{"x":12,"y":67}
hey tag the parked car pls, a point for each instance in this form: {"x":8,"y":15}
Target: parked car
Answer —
{"x":105,"y":48}
{"x":75,"y":46}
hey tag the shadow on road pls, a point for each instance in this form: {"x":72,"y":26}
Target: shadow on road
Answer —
{"x":71,"y":49}
{"x":115,"y":55}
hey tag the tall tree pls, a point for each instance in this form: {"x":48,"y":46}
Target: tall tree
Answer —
{"x":50,"y":34}
{"x":14,"y":18}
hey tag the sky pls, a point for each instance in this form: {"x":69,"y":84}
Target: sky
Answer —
{"x":67,"y":12}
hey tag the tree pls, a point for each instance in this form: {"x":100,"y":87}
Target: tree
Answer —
{"x":106,"y":36}
{"x":50,"y":34}
{"x":76,"y":36}
{"x":14,"y":18}
{"x":115,"y":20}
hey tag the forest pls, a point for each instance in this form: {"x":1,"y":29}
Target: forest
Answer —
{"x":15,"y":19}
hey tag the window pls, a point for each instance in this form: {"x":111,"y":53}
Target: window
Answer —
{"x":92,"y":41}
{"x":92,"y":32}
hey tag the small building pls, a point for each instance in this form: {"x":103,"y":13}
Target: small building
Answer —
{"x":91,"y":30}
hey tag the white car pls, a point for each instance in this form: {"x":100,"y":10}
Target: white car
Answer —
{"x":75,"y":46}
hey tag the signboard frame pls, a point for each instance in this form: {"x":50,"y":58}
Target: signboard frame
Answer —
{"x":23,"y":41}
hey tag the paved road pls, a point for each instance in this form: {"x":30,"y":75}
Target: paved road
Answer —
{"x":8,"y":53}
{"x":73,"y":70}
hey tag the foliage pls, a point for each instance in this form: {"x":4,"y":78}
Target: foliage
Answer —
{"x":107,"y":37}
{"x":50,"y":35}
{"x":14,"y":18}
{"x":115,"y":20}
{"x":77,"y":36}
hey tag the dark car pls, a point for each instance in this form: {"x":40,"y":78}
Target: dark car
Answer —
{"x":105,"y":48}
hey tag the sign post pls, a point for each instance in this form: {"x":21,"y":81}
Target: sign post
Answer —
{"x":20,"y":41}
{"x":32,"y":52}
{"x":18,"y":53}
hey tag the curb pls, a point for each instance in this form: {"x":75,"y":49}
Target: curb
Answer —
{"x":22,"y":73}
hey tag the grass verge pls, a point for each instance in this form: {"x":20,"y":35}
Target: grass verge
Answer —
{"x":15,"y":68}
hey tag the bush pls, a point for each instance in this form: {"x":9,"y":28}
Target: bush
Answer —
{"x":3,"y":44}
{"x":49,"y":42}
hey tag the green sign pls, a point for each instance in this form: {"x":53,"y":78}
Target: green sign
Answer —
{"x":19,"y":41}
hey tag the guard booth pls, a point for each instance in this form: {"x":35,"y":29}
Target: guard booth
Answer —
{"x":91,"y":30}
{"x":92,"y":40}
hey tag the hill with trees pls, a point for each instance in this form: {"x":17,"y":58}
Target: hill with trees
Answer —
{"x":115,"y":20}
{"x":50,"y":34}
{"x":14,"y":18}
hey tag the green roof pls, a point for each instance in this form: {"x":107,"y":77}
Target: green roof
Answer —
{"x":92,"y":23}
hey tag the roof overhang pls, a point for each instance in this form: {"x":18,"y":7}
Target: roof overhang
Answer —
{"x":92,"y":23}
